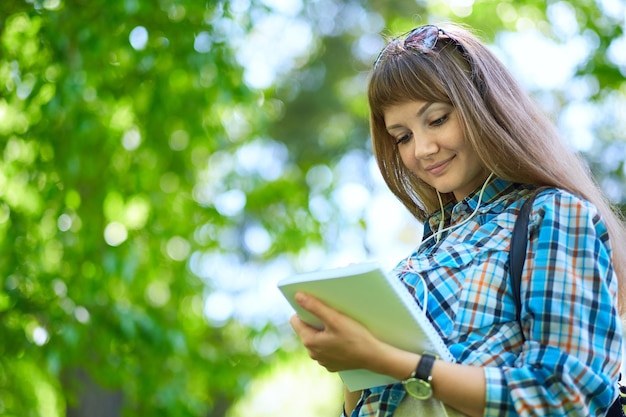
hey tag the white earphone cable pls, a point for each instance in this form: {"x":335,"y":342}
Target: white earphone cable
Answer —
{"x":440,"y":231}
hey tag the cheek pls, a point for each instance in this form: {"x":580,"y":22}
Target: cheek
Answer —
{"x":405,"y":157}
{"x":474,"y":161}
{"x":408,"y":161}
{"x":406,"y":153}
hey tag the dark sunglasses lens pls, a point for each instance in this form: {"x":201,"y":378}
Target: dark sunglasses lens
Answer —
{"x":423,"y":38}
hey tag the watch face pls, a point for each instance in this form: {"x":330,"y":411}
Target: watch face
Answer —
{"x":418,"y":388}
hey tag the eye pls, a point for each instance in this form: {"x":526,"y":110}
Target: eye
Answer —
{"x":403,"y":139}
{"x":439,"y":121}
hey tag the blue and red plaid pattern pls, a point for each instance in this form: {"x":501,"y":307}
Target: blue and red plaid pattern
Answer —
{"x":565,"y":360}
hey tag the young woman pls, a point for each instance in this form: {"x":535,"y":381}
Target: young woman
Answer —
{"x":462,"y":146}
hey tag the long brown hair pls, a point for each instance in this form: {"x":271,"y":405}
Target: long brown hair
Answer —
{"x":511,"y":135}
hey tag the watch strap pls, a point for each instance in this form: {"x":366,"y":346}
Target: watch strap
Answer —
{"x":424,"y":367}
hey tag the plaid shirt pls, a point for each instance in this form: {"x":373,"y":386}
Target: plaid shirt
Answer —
{"x":565,"y":360}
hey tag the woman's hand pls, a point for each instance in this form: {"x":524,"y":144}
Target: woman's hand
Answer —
{"x":343,"y":343}
{"x":346,"y":344}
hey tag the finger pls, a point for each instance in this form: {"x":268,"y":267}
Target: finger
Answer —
{"x":326,"y":314}
{"x":296,"y":323}
{"x":302,"y":329}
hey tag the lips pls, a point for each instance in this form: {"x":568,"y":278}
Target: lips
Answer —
{"x":438,"y":167}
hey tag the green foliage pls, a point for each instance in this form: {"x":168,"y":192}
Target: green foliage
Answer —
{"x":102,"y":146}
{"x":126,"y":135}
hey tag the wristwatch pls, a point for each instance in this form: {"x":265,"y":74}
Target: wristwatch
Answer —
{"x":418,"y":384}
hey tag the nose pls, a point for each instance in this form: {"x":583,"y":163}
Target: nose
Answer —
{"x":424,"y":147}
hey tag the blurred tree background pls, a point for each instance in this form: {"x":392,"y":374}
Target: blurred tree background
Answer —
{"x":163,"y":163}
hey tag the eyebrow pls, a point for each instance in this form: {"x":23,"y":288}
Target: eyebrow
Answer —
{"x":419,"y":113}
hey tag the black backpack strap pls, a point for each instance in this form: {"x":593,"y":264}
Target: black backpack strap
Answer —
{"x":517,"y":254}
{"x":617,"y":408}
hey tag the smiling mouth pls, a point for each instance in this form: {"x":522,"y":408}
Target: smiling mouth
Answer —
{"x":438,"y":167}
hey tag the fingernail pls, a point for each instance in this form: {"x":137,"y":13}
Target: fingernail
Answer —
{"x":300,"y":298}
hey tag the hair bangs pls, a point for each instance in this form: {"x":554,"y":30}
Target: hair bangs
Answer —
{"x":402,"y":77}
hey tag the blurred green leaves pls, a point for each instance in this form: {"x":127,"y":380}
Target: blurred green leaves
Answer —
{"x":103,"y":139}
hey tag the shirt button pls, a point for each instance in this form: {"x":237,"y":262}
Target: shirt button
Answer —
{"x":395,"y":397}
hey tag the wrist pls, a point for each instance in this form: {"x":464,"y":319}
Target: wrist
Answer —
{"x":418,"y":384}
{"x":397,"y":363}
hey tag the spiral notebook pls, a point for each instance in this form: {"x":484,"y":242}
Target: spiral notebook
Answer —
{"x":377,"y":300}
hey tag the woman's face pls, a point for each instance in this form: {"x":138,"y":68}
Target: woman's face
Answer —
{"x":432,"y":146}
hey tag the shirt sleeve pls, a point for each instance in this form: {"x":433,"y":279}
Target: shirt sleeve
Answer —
{"x":571,"y":357}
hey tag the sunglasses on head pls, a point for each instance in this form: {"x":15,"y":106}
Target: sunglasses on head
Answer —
{"x":421,"y":39}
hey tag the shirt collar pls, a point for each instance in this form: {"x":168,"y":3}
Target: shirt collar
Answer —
{"x":491,"y":196}
{"x":495,"y":189}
